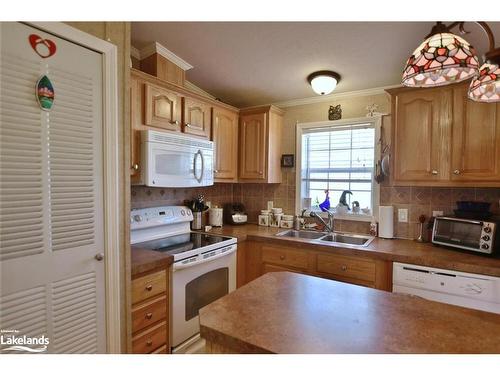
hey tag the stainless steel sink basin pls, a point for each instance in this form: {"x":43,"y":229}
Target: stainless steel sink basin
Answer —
{"x":301,"y":234}
{"x":331,"y":238}
{"x":351,"y":239}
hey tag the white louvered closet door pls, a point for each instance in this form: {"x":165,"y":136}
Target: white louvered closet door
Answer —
{"x":51,"y":195}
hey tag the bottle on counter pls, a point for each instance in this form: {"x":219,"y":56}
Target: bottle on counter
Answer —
{"x":373,"y":228}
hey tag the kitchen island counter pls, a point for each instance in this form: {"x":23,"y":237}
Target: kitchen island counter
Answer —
{"x":283,"y":312}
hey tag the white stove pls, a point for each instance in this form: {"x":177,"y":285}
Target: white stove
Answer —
{"x":204,"y":266}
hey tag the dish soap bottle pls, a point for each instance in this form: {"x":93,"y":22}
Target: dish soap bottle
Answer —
{"x":373,"y":228}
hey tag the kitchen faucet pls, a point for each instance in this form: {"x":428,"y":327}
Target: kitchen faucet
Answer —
{"x":328,"y":226}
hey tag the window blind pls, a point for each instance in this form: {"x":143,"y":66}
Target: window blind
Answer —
{"x":338,"y":158}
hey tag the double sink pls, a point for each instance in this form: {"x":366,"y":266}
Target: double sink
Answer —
{"x":328,"y":238}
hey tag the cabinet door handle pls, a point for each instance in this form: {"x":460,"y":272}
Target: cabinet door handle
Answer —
{"x":149,"y":287}
{"x":282,"y":257}
{"x":174,"y":122}
{"x":260,"y":172}
{"x":456,"y":171}
{"x":216,"y":171}
{"x":434,"y":172}
{"x":344,"y":268}
{"x":149,"y":342}
{"x":188,"y":125}
{"x":135,"y":167}
{"x":149,"y":315}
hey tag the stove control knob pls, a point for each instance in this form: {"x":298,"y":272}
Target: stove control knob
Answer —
{"x":485,"y":246}
{"x":487,"y":229}
{"x":183,"y":213}
{"x":486,"y":237}
{"x":138,"y":218}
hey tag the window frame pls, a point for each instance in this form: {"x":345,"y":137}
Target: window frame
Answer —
{"x":376,"y":122}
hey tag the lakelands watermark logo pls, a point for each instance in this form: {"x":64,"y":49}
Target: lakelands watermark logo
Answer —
{"x":13,"y":341}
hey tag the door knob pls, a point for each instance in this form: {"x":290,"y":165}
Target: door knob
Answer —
{"x":99,"y":256}
{"x":434,"y":172}
{"x":456,"y":171}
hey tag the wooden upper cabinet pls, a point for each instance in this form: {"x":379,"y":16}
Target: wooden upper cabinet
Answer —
{"x":162,"y":108}
{"x":476,"y":139}
{"x":442,"y":138}
{"x":159,"y":105}
{"x":225,"y":138}
{"x":260,"y":144}
{"x":421,"y":135}
{"x":196,"y":117}
{"x":253,"y":146}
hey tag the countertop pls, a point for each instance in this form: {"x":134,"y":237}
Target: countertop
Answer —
{"x":283,"y":312}
{"x":396,"y":250}
{"x":144,"y":260}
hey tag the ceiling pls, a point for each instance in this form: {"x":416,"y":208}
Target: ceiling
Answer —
{"x":253,"y":63}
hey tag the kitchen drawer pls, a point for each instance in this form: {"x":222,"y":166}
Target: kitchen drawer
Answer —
{"x":284,"y":257}
{"x":149,"y":286}
{"x":346,"y":267}
{"x":150,"y":340}
{"x":149,"y":313}
{"x":161,"y":350}
{"x":273,"y":268}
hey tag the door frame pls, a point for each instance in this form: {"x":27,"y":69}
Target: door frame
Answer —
{"x":110,"y":171}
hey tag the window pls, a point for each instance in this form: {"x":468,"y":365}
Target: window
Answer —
{"x":338,"y":157}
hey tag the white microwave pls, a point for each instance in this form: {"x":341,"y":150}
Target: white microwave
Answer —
{"x":175,"y":160}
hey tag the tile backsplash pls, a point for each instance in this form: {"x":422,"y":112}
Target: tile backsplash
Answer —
{"x":423,"y":200}
{"x":418,"y":200}
{"x":143,"y":196}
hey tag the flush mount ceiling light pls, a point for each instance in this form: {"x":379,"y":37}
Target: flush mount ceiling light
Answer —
{"x":444,"y":58}
{"x":323,"y":82}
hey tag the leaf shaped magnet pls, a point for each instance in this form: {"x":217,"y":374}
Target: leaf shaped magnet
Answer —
{"x":45,"y":93}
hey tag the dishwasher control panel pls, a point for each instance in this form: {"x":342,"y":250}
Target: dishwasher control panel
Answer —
{"x":455,"y":287}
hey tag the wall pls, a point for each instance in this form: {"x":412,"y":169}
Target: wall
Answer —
{"x":143,"y":196}
{"x":118,"y":33}
{"x":418,"y":200}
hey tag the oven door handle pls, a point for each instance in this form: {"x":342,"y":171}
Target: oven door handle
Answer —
{"x":180,"y":266}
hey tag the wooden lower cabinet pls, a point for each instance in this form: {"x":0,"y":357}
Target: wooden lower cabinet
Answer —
{"x":150,"y":313}
{"x":261,"y":258}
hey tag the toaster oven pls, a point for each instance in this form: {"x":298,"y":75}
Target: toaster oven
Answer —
{"x":466,"y":234}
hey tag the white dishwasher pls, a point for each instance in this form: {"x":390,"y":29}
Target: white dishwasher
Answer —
{"x":456,"y":288}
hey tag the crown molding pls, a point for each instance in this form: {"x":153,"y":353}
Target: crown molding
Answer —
{"x":156,"y":47}
{"x":134,"y":52}
{"x":340,"y":95}
{"x":191,"y":86}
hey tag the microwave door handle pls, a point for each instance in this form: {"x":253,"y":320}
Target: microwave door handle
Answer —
{"x":195,"y":163}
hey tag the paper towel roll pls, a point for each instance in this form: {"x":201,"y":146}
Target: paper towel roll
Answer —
{"x":386,"y":221}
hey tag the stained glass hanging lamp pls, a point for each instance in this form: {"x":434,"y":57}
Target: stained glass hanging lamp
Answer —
{"x":444,"y":58}
{"x":486,"y":86}
{"x":441,"y":59}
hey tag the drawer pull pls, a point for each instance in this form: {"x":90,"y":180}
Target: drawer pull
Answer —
{"x":149,"y":287}
{"x":149,"y":342}
{"x":282,"y":257}
{"x":344,"y":268}
{"x":149,"y":315}
{"x":434,"y":172}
